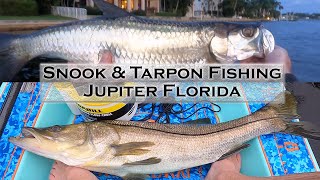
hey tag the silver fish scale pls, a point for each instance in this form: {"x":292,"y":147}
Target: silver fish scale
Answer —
{"x":193,"y":150}
{"x":131,"y":40}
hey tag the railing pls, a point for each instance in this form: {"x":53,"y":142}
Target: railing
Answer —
{"x":77,"y":13}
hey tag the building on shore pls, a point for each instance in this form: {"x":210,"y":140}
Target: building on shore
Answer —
{"x":198,"y":8}
{"x":202,"y":7}
{"x":131,"y":5}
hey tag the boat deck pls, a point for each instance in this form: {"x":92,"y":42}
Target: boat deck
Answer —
{"x":269,"y":155}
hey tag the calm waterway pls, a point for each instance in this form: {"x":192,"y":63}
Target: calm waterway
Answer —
{"x":302,"y":41}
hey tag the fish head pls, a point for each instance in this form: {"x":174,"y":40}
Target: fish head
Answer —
{"x":69,"y":144}
{"x":233,"y":42}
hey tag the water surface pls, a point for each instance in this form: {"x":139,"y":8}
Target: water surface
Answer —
{"x":302,"y":41}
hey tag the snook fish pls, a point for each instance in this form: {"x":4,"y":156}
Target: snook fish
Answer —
{"x":132,"y":149}
{"x":136,"y":40}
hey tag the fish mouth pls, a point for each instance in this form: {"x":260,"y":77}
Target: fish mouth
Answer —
{"x":28,"y":135}
{"x":34,"y":141}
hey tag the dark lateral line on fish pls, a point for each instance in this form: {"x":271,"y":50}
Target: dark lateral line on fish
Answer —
{"x":132,"y":125}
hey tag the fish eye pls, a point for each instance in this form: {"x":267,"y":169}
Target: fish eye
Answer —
{"x":248,"y":32}
{"x":55,"y":128}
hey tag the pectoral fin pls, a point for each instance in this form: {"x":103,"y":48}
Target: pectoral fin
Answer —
{"x":149,"y":161}
{"x":135,"y":177}
{"x":132,"y":148}
{"x":234,"y":151}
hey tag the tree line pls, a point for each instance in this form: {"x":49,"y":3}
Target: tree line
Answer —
{"x":229,"y":8}
{"x":305,"y":15}
{"x":251,"y":8}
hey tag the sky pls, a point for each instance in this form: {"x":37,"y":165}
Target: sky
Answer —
{"x":305,"y":6}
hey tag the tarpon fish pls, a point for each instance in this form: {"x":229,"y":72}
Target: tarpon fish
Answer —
{"x":133,"y":149}
{"x":136,"y":40}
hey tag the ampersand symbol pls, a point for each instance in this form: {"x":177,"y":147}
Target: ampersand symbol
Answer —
{"x":118,"y":73}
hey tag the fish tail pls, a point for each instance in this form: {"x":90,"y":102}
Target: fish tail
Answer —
{"x":288,"y":111}
{"x":305,"y":129}
{"x":10,"y":63}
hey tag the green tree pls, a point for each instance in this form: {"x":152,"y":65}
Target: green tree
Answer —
{"x":44,"y":6}
{"x":18,"y":8}
{"x":233,"y":7}
{"x":252,"y":8}
{"x":228,"y":8}
{"x":182,"y":7}
{"x":178,"y":7}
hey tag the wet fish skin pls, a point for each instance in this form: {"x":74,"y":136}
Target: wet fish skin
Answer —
{"x":132,"y":40}
{"x":178,"y":152}
{"x":136,"y":40}
{"x":125,"y":148}
{"x":98,"y":155}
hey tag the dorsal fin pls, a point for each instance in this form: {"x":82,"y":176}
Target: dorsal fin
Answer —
{"x":110,"y":10}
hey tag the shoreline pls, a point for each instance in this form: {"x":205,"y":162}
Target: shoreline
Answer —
{"x":17,"y":26}
{"x":32,"y":25}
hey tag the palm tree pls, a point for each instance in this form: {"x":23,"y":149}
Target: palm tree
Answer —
{"x":234,"y":7}
{"x":219,"y":8}
{"x":177,"y":5}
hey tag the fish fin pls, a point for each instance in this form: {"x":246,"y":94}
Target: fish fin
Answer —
{"x":10,"y":65}
{"x":148,"y":161}
{"x":288,"y":111}
{"x":110,"y":10}
{"x":131,"y":148}
{"x":135,"y":177}
{"x":304,"y":129}
{"x":200,"y":121}
{"x":234,"y":151}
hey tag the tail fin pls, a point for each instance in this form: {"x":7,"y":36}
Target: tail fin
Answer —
{"x":288,"y":111}
{"x":9,"y":64}
{"x":305,"y":129}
